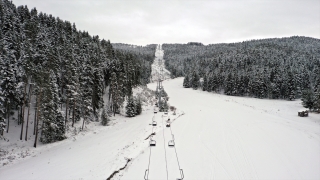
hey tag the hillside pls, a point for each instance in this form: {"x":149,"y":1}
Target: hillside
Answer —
{"x":278,"y":68}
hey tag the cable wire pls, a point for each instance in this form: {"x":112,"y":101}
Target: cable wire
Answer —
{"x":150,"y":146}
{"x":164,"y":146}
{"x":175,"y":150}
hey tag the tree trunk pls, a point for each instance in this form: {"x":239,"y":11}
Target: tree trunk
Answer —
{"x":24,"y":102}
{"x":8,"y":114}
{"x":83,"y":123}
{"x":35,"y":116}
{"x":73,"y":113}
{"x":30,"y":91}
{"x":67,"y":104}
{"x":19,"y":115}
{"x":38,"y":114}
{"x":42,"y":124}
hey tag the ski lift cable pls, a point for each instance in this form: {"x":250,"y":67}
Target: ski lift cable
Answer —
{"x":164,"y":147}
{"x":147,"y":170}
{"x":148,"y":164}
{"x":175,"y":150}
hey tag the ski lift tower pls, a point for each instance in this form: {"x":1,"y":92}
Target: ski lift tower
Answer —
{"x":161,"y":78}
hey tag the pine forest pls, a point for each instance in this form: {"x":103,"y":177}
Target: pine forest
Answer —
{"x":278,"y":68}
{"x":66,"y":72}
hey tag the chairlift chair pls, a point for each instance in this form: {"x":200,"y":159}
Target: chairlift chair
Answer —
{"x":154,"y":123}
{"x":171,"y":143}
{"x":152,"y":143}
{"x":182,"y":175}
{"x":146,"y":173}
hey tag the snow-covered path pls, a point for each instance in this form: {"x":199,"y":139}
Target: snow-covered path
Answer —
{"x":224,"y":137}
{"x":158,"y":64}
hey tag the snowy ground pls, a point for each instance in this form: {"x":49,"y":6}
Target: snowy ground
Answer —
{"x":225,"y":137}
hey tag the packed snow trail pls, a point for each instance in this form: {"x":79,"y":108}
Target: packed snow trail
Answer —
{"x":226,"y":137}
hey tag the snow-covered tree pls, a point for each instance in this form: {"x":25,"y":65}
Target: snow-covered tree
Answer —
{"x":205,"y":83}
{"x":186,"y":82}
{"x":53,"y":128}
{"x":317,"y":98}
{"x":138,"y":106}
{"x":308,"y":99}
{"x":291,"y":86}
{"x":130,"y":107}
{"x":104,"y":117}
{"x":195,"y":80}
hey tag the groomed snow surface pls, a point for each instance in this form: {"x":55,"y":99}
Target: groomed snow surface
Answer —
{"x":218,"y":137}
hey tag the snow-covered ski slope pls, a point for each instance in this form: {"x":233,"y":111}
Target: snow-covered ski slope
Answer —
{"x":225,"y":137}
{"x":158,"y":63}
{"x":218,"y":137}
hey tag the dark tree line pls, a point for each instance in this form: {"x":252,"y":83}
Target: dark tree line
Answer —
{"x":278,"y":68}
{"x":143,"y":55}
{"x":46,"y":60}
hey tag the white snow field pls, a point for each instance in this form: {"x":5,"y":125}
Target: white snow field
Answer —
{"x":226,"y":137}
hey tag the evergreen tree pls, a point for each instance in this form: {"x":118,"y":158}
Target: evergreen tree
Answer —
{"x":195,"y":80}
{"x":138,"y":106}
{"x":2,"y":116}
{"x":186,"y":82}
{"x":317,"y":99}
{"x":105,"y":118}
{"x":53,"y":124}
{"x":130,"y":107}
{"x":113,"y":91}
{"x":205,"y":83}
{"x":308,"y":99}
{"x":261,"y":88}
{"x":210,"y":83}
{"x":229,"y":85}
{"x":291,"y":86}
